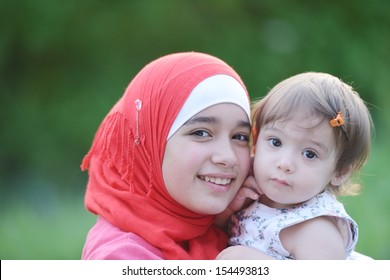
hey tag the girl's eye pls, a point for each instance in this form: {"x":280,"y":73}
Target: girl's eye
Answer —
{"x":275,"y":142}
{"x":241,"y":137}
{"x":309,"y":154}
{"x":200,"y":133}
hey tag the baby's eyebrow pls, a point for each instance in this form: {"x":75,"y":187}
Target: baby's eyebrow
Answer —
{"x":320,"y":146}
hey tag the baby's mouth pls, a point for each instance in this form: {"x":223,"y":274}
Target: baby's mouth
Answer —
{"x":217,"y":181}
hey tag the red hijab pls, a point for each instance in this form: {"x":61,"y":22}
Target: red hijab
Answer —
{"x":125,"y":183}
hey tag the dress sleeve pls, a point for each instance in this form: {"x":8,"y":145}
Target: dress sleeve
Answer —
{"x":107,"y":242}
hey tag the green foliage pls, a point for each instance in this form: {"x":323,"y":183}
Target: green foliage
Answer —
{"x":63,"y":64}
{"x":50,"y":231}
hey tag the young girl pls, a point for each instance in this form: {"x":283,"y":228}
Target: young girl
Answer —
{"x":311,"y":132}
{"x":169,"y":156}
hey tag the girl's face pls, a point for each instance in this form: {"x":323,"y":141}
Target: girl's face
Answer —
{"x":295,"y":160}
{"x":207,"y":160}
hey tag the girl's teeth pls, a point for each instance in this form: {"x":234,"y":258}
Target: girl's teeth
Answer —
{"x":218,"y":181}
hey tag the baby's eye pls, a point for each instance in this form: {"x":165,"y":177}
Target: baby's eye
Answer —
{"x":275,"y":142}
{"x":309,"y":154}
{"x":201,"y":133}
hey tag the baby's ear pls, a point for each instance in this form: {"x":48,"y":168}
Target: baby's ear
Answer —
{"x":341,"y":177}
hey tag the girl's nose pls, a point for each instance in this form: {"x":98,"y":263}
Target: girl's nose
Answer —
{"x":224,"y":154}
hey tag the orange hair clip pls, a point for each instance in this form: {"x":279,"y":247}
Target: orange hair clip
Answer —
{"x":337,"y":121}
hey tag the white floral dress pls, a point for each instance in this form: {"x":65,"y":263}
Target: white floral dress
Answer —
{"x":259,"y":226}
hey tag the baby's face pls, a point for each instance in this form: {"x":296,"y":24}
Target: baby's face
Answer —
{"x":295,"y":159}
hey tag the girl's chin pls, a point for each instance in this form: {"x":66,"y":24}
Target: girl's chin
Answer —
{"x":211,"y":211}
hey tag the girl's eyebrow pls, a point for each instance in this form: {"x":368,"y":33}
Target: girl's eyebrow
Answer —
{"x":245,"y":124}
{"x":201,"y":119}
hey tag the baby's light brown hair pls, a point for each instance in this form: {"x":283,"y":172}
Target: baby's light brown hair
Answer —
{"x":322,"y":95}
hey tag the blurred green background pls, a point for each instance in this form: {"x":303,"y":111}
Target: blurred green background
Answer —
{"x":65,"y":63}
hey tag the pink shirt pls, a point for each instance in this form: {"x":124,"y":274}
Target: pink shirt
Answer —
{"x":107,"y":242}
